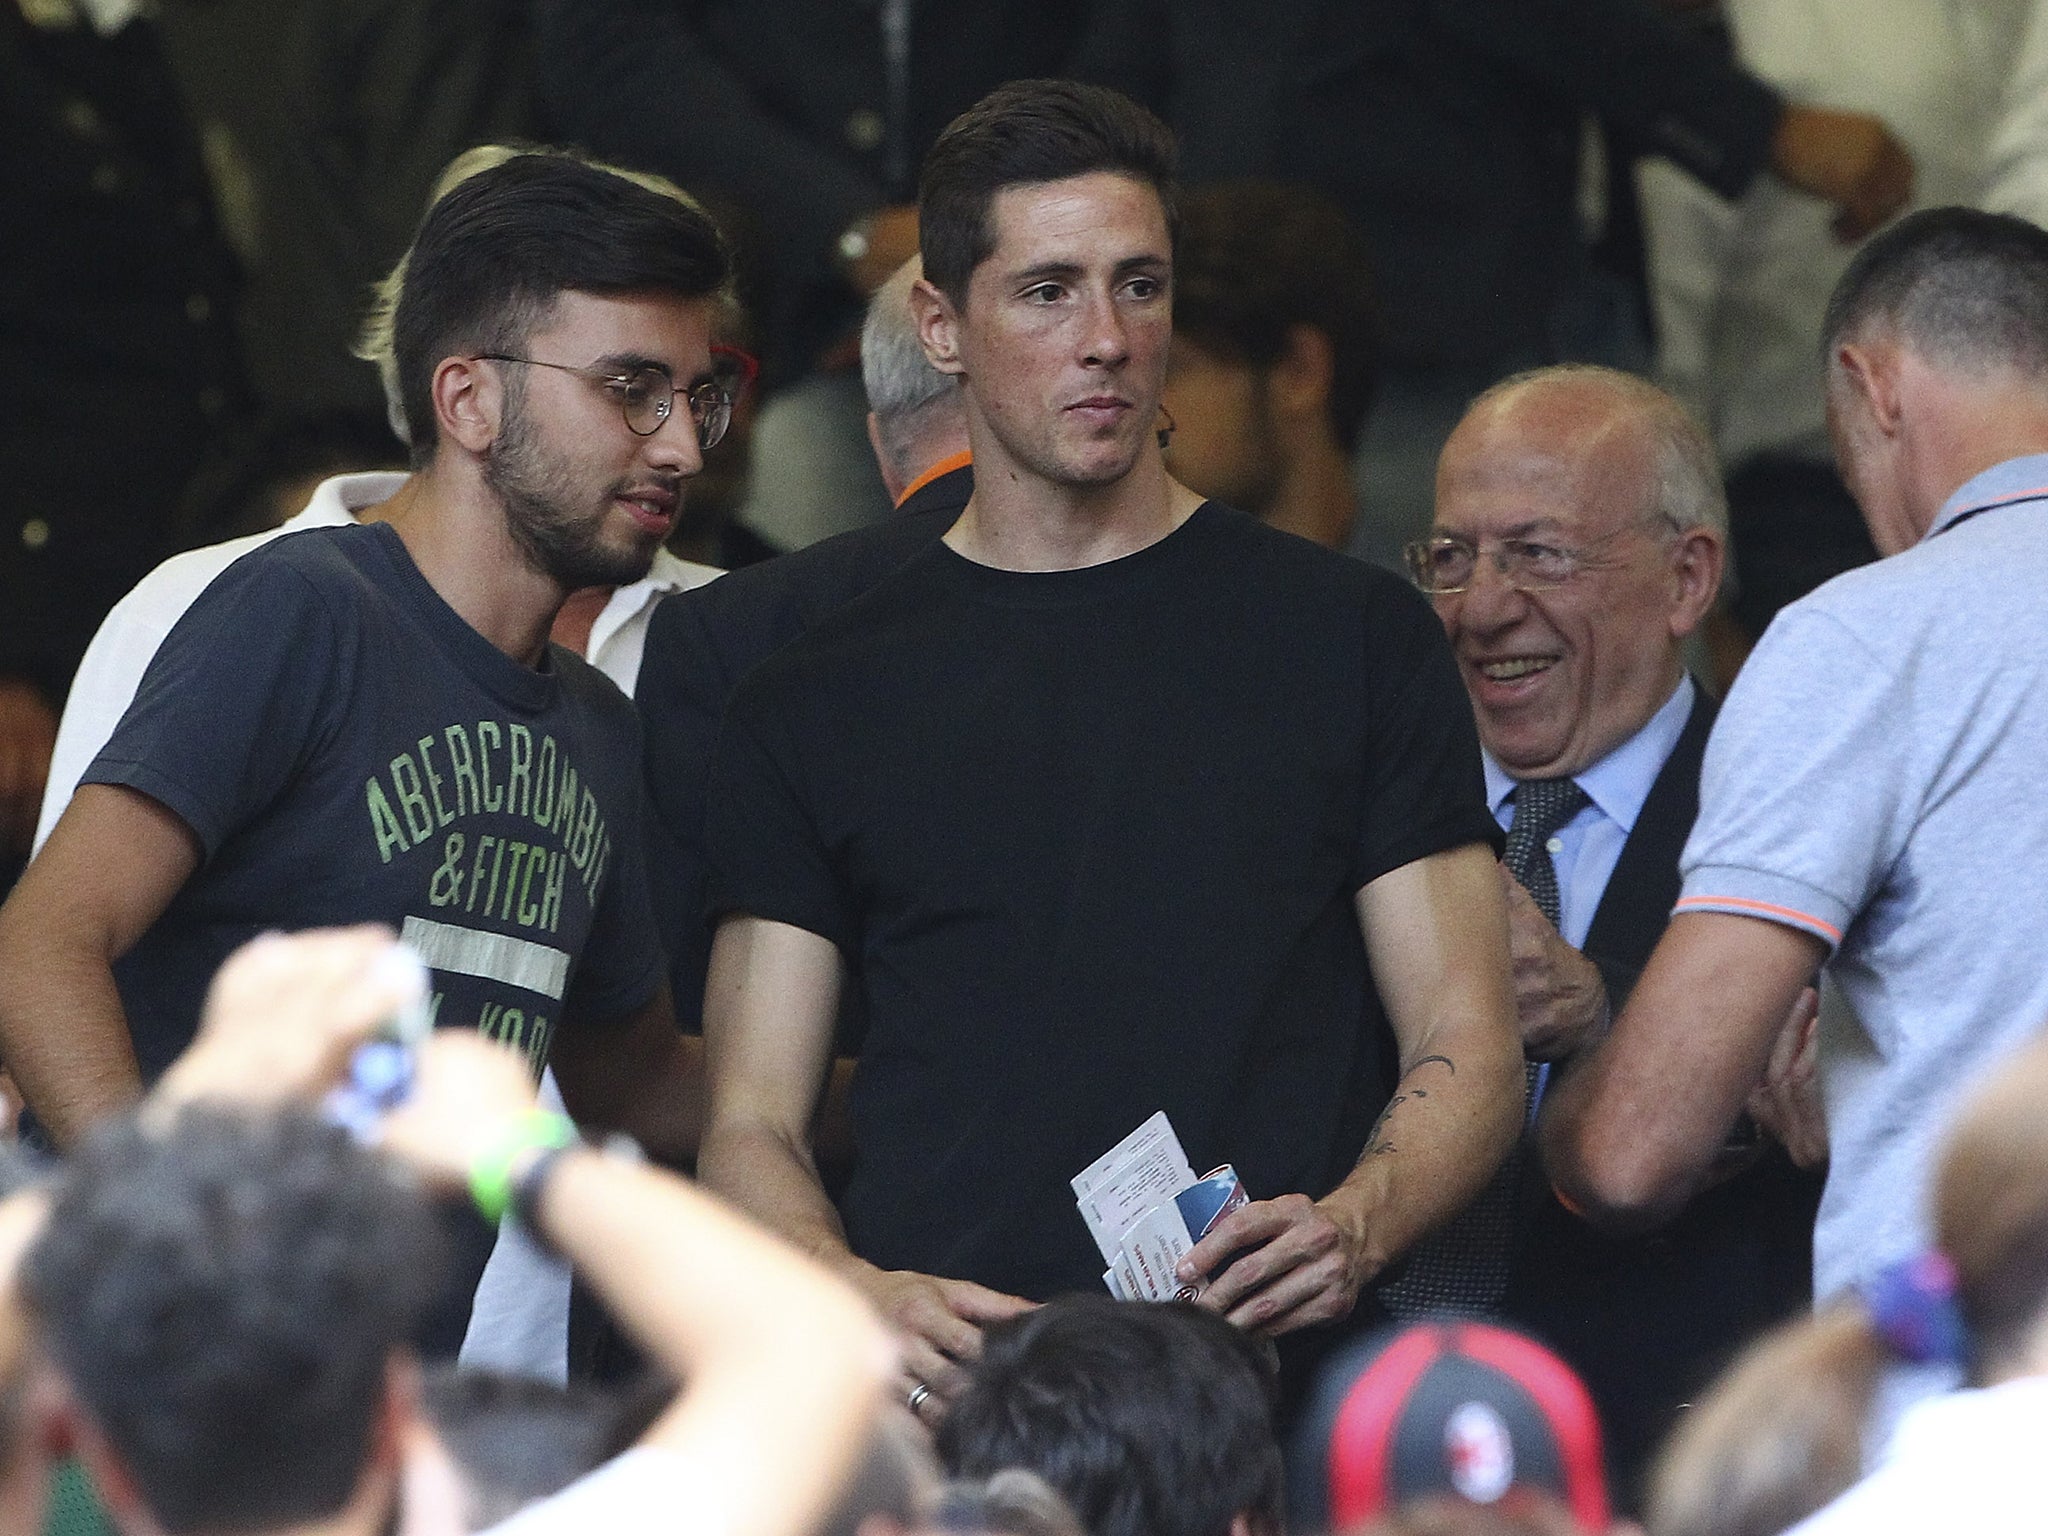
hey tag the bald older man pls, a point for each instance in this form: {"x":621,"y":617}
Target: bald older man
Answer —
{"x":1579,"y":538}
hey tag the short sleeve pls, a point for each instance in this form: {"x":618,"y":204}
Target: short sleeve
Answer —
{"x":1424,"y":791}
{"x":765,"y":855}
{"x":235,"y":701}
{"x":1805,"y":795}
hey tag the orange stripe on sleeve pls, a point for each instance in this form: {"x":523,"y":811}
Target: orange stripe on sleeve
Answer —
{"x":1761,"y":909}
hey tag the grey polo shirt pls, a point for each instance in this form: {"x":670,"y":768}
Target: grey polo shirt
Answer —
{"x":1875,"y":779}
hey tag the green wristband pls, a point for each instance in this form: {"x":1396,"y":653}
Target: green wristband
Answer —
{"x":490,"y":1176}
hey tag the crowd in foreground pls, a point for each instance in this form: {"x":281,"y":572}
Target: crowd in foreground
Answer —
{"x":1069,"y":797}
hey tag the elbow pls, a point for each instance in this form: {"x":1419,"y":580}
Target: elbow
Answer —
{"x":1615,"y":1182}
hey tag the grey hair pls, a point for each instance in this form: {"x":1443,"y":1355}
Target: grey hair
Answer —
{"x":375,"y":342}
{"x":1688,"y":492}
{"x":1965,"y":289}
{"x":904,"y":390}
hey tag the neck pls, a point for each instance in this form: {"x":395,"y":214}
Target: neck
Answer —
{"x":1016,"y":522}
{"x":455,"y":531}
{"x":1978,"y":427}
{"x":1316,"y":497}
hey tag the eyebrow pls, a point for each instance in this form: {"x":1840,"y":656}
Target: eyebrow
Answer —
{"x":1068,"y":270}
{"x":630,"y":362}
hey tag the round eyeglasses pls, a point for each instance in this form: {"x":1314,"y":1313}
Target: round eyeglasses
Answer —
{"x":647,"y":396}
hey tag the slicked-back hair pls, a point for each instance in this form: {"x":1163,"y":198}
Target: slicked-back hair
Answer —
{"x":1150,"y":1419}
{"x":224,"y":1297}
{"x":493,"y":255}
{"x":1022,"y":134}
{"x":1256,"y":258}
{"x":1965,"y":289}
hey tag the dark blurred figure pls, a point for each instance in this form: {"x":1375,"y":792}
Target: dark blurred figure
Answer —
{"x":1150,"y":1419}
{"x":335,"y":117}
{"x":1451,"y":130}
{"x":119,"y":372}
{"x":1275,"y":347}
{"x":813,"y":116}
{"x":506,"y":1441}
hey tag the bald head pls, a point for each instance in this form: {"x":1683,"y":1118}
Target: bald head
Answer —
{"x":1595,"y":511}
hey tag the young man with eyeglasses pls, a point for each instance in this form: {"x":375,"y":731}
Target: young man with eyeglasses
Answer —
{"x":370,"y":723}
{"x":1110,"y":800}
{"x":1578,"y":541}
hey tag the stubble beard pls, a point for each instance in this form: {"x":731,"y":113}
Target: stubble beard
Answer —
{"x":541,"y":513}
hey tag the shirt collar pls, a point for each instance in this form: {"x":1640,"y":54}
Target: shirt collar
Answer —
{"x":2021,"y":479}
{"x":1620,"y":782}
{"x":669,"y":573}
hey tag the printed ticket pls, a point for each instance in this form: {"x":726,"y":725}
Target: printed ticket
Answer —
{"x":1145,"y":1209}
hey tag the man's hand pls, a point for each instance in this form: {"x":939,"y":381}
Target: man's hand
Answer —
{"x":1787,"y":1103}
{"x":1277,"y":1265}
{"x":286,"y":1011}
{"x":938,"y":1324}
{"x":467,"y":1093}
{"x":28,"y":735}
{"x":1560,"y":1000}
{"x":1849,"y":159}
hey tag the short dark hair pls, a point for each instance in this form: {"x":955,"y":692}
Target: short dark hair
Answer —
{"x":224,"y":1296}
{"x":1151,"y":1419}
{"x":1966,"y":289}
{"x":516,"y":1439}
{"x":1020,"y":134}
{"x":1258,"y":257}
{"x":494,"y":253}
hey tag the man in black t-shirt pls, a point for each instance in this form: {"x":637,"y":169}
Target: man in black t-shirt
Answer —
{"x":1110,"y":801}
{"x":368,"y":723}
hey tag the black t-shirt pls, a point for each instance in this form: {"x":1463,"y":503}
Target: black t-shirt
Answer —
{"x":347,"y":749}
{"x":1089,"y":841}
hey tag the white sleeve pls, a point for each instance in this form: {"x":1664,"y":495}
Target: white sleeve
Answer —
{"x":643,"y":1490}
{"x":121,"y":651}
{"x":104,"y":687}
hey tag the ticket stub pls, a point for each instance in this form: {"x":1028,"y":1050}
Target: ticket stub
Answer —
{"x":1145,"y":1168}
{"x":1161,"y":1238}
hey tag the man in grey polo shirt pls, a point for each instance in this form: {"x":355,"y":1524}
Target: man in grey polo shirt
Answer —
{"x":1872,"y":792}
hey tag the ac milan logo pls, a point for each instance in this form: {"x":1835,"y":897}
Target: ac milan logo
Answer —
{"x":1479,"y":1453}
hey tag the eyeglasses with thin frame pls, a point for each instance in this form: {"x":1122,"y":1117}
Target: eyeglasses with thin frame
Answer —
{"x":647,"y":396}
{"x":1445,"y":564}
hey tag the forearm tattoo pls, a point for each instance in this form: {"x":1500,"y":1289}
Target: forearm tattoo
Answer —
{"x":1376,"y":1144}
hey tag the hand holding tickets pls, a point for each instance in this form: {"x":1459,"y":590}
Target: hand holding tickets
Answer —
{"x":1146,"y":1209}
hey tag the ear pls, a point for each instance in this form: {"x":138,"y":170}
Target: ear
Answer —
{"x":1872,"y":369}
{"x":1697,"y":561}
{"x":938,"y":327}
{"x":469,"y":402}
{"x":1300,"y":382}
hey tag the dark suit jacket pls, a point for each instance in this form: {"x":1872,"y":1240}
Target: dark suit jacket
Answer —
{"x":1649,"y":1320}
{"x":700,"y":644}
